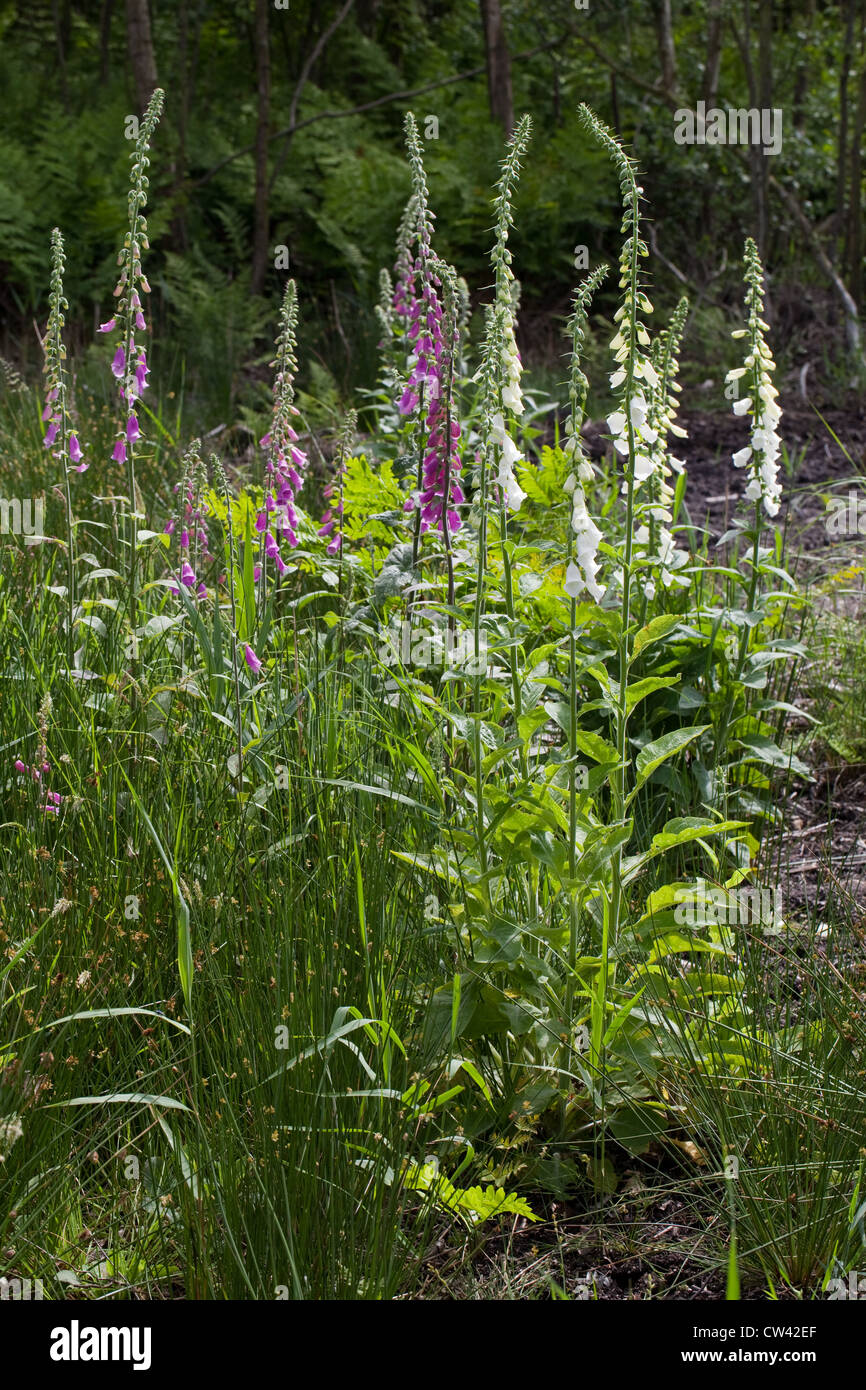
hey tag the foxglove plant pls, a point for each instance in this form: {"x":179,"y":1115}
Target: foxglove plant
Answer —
{"x":634,"y":437}
{"x":285,"y":461}
{"x":499,"y":372}
{"x":653,"y":540}
{"x":421,"y":296}
{"x":332,"y":520}
{"x":191,"y":523}
{"x":41,"y":767}
{"x":502,"y":367}
{"x":579,"y":575}
{"x":129,"y":364}
{"x":60,"y":434}
{"x":760,"y":456}
{"x":581,"y":570}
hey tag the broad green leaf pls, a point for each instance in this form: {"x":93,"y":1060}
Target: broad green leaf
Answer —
{"x":655,"y":629}
{"x":652,"y":755}
{"x":764,"y":750}
{"x":641,"y":689}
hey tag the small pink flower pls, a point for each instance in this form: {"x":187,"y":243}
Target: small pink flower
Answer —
{"x":75,"y":453}
{"x":252,"y":660}
{"x":108,"y":327}
{"x":132,"y":430}
{"x":51,"y":434}
{"x":119,"y":452}
{"x":119,"y":363}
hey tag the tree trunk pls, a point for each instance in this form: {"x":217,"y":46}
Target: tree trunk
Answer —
{"x":665,"y":41}
{"x":765,"y":101}
{"x":855,"y":209}
{"x":140,"y":47}
{"x":498,"y":65}
{"x":801,"y":78}
{"x":842,"y":143}
{"x":263,"y":77}
{"x":714,"y":52}
{"x":712,"y":65}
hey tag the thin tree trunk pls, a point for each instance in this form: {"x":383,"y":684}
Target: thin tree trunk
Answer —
{"x":665,"y":41}
{"x":842,"y":142}
{"x":714,"y":52}
{"x":498,"y":65}
{"x":765,"y":101}
{"x":855,"y":207}
{"x":712,"y":65}
{"x":801,"y":77}
{"x":178,"y":221}
{"x":141,"y":55}
{"x":755,"y":156}
{"x":263,"y":77}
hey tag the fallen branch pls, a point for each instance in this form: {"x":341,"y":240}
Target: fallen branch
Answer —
{"x":372,"y":105}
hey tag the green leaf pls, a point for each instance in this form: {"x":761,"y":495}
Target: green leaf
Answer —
{"x":529,"y":724}
{"x":123,"y":1098}
{"x":654,"y":754}
{"x":641,"y":689}
{"x":656,"y":629}
{"x":764,"y":750}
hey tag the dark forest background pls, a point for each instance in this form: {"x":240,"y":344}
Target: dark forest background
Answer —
{"x":283,"y":129}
